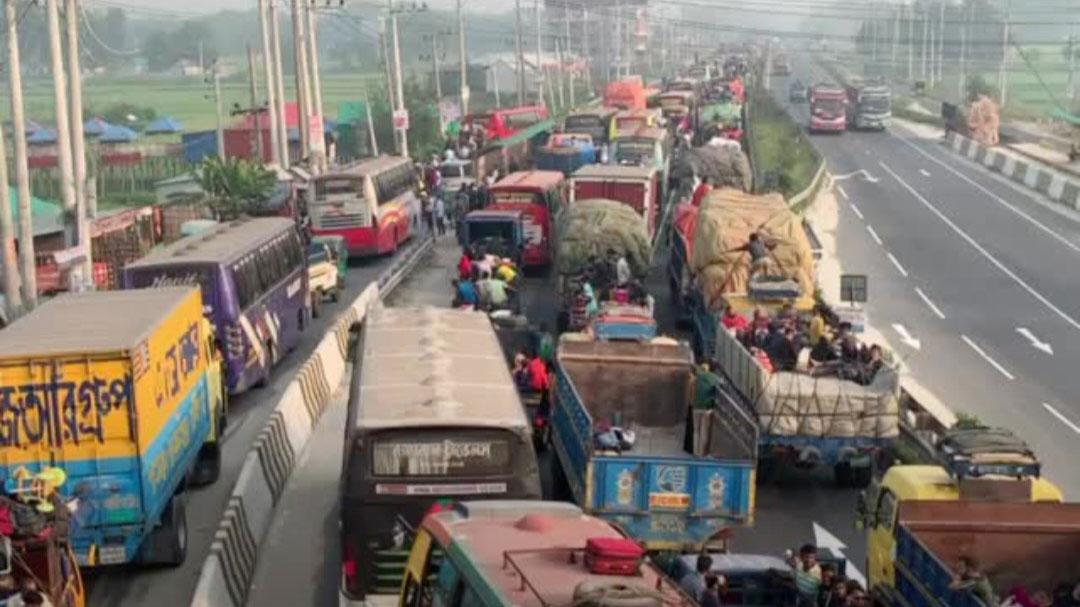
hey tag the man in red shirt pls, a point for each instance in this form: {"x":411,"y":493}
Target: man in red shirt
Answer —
{"x":538,"y":375}
{"x":733,"y":321}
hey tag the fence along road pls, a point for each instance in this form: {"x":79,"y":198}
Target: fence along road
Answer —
{"x":248,"y":413}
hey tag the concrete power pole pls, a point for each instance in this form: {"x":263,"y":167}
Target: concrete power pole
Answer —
{"x":941,"y":44}
{"x":895,"y":41}
{"x":438,"y":80}
{"x":384,"y":39}
{"x":371,"y":127}
{"x":397,"y":78}
{"x":27,"y":269}
{"x":569,"y":49}
{"x":586,"y":47}
{"x":8,"y":260}
{"x":318,"y":143}
{"x":271,"y":90}
{"x":519,"y":47}
{"x":253,"y":85}
{"x":464,"y":63}
{"x":220,"y":113}
{"x":925,"y":39}
{"x":63,"y":131}
{"x":78,"y":141}
{"x":279,"y":85}
{"x":561,"y":73}
{"x":1003,"y":80}
{"x":539,"y":55}
{"x":300,"y":73}
{"x":1070,"y":90}
{"x":910,"y":43}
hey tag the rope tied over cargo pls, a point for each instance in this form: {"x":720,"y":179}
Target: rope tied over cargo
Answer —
{"x":617,"y":594}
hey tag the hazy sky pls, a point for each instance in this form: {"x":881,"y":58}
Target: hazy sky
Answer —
{"x":214,"y":5}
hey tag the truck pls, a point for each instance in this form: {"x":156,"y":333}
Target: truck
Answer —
{"x":687,"y":477}
{"x":870,"y":105}
{"x":828,"y":108}
{"x":646,"y":146}
{"x":594,"y":122}
{"x":123,"y":391}
{"x":501,"y":232}
{"x":626,"y":94}
{"x":638,"y":187}
{"x":566,"y":153}
{"x":981,"y":495}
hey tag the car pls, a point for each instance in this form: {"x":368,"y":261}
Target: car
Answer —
{"x":339,"y":253}
{"x":797,"y":93}
{"x":322,"y":276}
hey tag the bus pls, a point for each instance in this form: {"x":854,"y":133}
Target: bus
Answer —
{"x":540,"y":195}
{"x":528,"y":554}
{"x":505,"y":122}
{"x":371,"y":204}
{"x":253,"y":274}
{"x":433,"y":414}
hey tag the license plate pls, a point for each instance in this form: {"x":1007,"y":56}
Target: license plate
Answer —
{"x":679,"y":501}
{"x":111,"y":555}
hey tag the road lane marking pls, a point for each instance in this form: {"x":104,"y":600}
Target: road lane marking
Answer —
{"x":823,"y":538}
{"x":978,"y":247}
{"x":1035,"y":341}
{"x":873,"y":234}
{"x":986,"y":357}
{"x":906,"y":337}
{"x":896,"y":262}
{"x":840,"y":188}
{"x":1062,"y":418}
{"x":933,"y":307}
{"x":1035,"y":222}
{"x":856,"y":210}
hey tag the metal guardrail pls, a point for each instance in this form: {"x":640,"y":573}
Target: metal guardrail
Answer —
{"x":390,"y":279}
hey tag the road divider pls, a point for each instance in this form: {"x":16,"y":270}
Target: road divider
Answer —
{"x":1055,"y":185}
{"x":227,"y":572}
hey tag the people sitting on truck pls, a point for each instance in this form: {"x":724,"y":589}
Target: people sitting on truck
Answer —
{"x":520,"y":372}
{"x":622,"y":271}
{"x":807,"y":575}
{"x":968,"y":576}
{"x":494,"y":293}
{"x":760,"y":251}
{"x":544,"y":343}
{"x":465,"y":265}
{"x":733,"y":321}
{"x":693,"y":583}
{"x":465,"y":293}
{"x":506,"y":271}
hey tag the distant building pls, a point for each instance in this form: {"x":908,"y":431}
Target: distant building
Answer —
{"x":189,"y":69}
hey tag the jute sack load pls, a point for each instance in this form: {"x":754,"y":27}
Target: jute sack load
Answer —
{"x":724,"y":224}
{"x":588,"y":229}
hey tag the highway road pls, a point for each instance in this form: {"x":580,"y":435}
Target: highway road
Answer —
{"x":173,"y":587}
{"x":981,"y":271}
{"x":300,"y":562}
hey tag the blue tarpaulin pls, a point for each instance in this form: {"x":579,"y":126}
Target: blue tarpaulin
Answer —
{"x":42,"y":136}
{"x":95,"y":127}
{"x":117,"y":134}
{"x":164,"y":125}
{"x":199,"y":145}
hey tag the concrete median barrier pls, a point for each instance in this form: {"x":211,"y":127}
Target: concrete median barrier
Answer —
{"x":228,"y":570}
{"x":1059,"y":187}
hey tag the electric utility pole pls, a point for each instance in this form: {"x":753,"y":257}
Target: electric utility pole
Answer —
{"x":925,"y":39}
{"x":78,"y":143}
{"x":63,"y":132}
{"x":8,"y":260}
{"x":1003,"y":80}
{"x":464,"y":63}
{"x":941,"y":44}
{"x":271,"y":91}
{"x":318,"y":144}
{"x":438,"y":80}
{"x":910,"y":43}
{"x":539,"y":55}
{"x":300,"y":73}
{"x":520,"y":55}
{"x":220,"y":112}
{"x":279,"y":85}
{"x":253,"y":85}
{"x":397,"y":76}
{"x":568,"y":49}
{"x":27,"y":268}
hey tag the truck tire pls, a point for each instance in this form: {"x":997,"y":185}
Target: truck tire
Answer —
{"x":208,"y":465}
{"x":167,"y":543}
{"x":861,"y":476}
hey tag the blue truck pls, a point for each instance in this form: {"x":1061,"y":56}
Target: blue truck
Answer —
{"x":688,"y":474}
{"x":501,"y":232}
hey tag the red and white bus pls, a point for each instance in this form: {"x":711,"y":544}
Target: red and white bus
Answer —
{"x":538,"y":195}
{"x":371,"y":204}
{"x":505,"y":122}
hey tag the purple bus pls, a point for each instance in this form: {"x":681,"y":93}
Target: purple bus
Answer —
{"x":253,"y":276}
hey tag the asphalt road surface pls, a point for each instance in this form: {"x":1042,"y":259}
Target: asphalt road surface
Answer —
{"x":173,"y":587}
{"x":981,"y":271}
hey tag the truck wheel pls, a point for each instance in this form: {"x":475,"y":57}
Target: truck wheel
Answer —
{"x":768,"y":470}
{"x":861,"y":476}
{"x":208,"y":465}
{"x":167,"y":543}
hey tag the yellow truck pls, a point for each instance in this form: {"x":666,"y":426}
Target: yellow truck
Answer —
{"x":980,"y":471}
{"x":123,"y":391}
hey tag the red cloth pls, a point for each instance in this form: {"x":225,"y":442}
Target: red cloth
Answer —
{"x":538,"y":376}
{"x":699,"y":194}
{"x":735,"y":322}
{"x":464,"y":267}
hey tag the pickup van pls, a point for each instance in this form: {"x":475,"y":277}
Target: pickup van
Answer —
{"x":324,"y":280}
{"x":123,"y":391}
{"x":686,"y":478}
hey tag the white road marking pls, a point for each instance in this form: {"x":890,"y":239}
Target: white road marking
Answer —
{"x":840,"y":188}
{"x":856,"y":210}
{"x":933,"y":307}
{"x":924,"y":172}
{"x":823,"y":538}
{"x":874,"y":235}
{"x":978,"y":247}
{"x":1035,"y":341}
{"x":906,"y":337}
{"x":996,"y":198}
{"x":986,"y":357}
{"x":896,"y":262}
{"x":1072,"y":426}
{"x":866,"y":175}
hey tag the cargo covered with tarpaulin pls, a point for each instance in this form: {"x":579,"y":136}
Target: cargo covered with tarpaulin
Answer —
{"x":721,"y":261}
{"x":725,"y":166}
{"x":589,"y":229}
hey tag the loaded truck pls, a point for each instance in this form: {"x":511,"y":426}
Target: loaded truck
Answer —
{"x":123,"y":391}
{"x":803,"y":420}
{"x":984,"y":498}
{"x":685,"y":477}
{"x":869,"y":105}
{"x":638,"y":187}
{"x":828,"y":108}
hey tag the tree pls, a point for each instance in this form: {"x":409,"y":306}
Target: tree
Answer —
{"x":234,"y":185}
{"x":977,"y":85}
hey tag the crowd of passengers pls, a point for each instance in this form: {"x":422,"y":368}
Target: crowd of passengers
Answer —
{"x":829,"y":347}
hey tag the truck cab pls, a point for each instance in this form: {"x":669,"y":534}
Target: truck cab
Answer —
{"x":828,"y":109}
{"x":1011,"y":474}
{"x":869,"y":106}
{"x":499,"y":232}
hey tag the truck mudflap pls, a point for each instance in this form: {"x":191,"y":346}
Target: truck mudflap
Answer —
{"x":672,"y":503}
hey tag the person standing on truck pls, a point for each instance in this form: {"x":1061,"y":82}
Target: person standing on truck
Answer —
{"x":693,"y":583}
{"x":807,"y":575}
{"x":969,"y":577}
